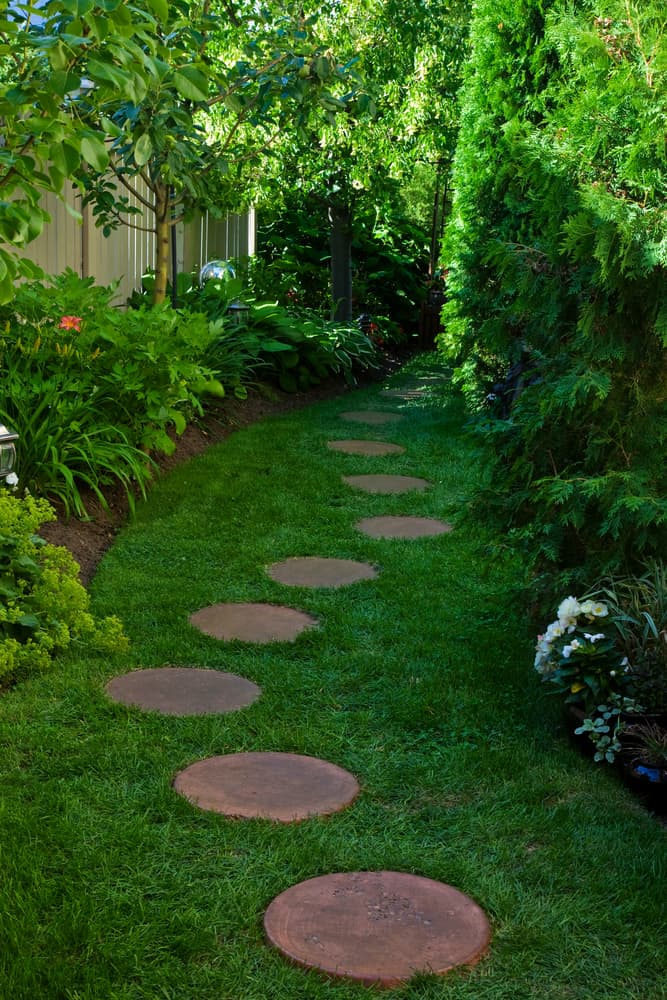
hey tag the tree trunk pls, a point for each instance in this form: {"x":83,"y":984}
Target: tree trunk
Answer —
{"x":341,"y":262}
{"x":161,"y":243}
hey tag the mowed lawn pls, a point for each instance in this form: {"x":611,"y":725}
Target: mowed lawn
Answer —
{"x":419,"y":682}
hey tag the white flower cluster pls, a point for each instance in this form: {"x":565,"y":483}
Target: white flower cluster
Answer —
{"x":12,"y":480}
{"x":569,"y":612}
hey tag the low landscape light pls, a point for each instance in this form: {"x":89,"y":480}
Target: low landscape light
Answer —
{"x":7,"y":451}
{"x":238,"y":312}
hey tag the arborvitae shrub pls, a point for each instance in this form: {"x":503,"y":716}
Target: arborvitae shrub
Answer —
{"x":556,"y":251}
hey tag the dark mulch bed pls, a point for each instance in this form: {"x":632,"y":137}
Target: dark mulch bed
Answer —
{"x":89,"y":539}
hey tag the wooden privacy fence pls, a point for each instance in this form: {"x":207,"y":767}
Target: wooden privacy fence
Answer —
{"x":126,"y":254}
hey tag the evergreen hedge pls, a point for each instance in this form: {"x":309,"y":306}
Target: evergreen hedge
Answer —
{"x":557,"y":254}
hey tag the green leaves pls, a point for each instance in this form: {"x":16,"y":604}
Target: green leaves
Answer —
{"x":191,"y":83}
{"x":44,"y":606}
{"x":160,"y":8}
{"x":94,"y":152}
{"x":143,"y":149}
{"x":557,"y":293}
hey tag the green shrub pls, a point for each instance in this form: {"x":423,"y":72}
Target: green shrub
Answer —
{"x":92,"y":390}
{"x":292,"y":346}
{"x":389,"y":259}
{"x":557,"y":317}
{"x":43,"y":607}
{"x":298,"y":349}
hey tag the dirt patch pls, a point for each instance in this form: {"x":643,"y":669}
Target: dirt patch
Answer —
{"x":89,"y":539}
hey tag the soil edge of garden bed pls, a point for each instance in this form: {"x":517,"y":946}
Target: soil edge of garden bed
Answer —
{"x":88,"y":539}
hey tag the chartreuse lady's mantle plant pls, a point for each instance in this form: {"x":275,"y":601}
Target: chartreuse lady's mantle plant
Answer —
{"x":43,"y":606}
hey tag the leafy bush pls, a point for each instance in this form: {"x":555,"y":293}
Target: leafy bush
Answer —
{"x":43,"y":606}
{"x":298,"y":349}
{"x":638,"y":608}
{"x":390,"y":260}
{"x":557,"y":280}
{"x":91,"y":390}
{"x":609,"y":657}
{"x":294,"y":346}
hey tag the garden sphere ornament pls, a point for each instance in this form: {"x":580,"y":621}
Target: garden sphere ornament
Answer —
{"x":216,"y":270}
{"x":7,"y":451}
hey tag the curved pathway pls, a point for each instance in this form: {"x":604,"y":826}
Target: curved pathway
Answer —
{"x":377,"y":928}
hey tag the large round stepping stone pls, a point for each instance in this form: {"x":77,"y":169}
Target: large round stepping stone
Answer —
{"x":353,"y":447}
{"x":386,"y":484}
{"x":280,"y":786}
{"x":183,"y":690}
{"x":402,"y":526}
{"x":252,"y":622}
{"x":312,"y":571}
{"x":379,"y":928}
{"x":371,"y":416}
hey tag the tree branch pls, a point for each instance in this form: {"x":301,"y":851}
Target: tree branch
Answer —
{"x":133,"y":191}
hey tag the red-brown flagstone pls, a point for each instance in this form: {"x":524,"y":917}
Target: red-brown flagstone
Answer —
{"x":378,"y":928}
{"x":356,"y":447}
{"x":386,"y":483}
{"x":283,"y":787}
{"x":252,"y":622}
{"x":376,"y":417}
{"x":402,"y":526}
{"x":313,"y":571}
{"x":183,"y":690}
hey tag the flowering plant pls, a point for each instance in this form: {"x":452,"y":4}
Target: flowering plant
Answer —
{"x":579,"y":654}
{"x":70,"y":323}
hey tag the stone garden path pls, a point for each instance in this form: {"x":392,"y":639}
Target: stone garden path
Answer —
{"x":377,"y":927}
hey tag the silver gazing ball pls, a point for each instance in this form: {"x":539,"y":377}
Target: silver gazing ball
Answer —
{"x":216,"y":270}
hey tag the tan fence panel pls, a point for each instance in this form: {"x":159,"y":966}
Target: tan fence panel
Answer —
{"x":208,"y":239}
{"x":124,"y":255}
{"x":127,"y":253}
{"x":59,"y":245}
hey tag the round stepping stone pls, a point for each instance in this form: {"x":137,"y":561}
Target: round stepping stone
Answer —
{"x":411,"y":390}
{"x":311,"y":571}
{"x":402,"y":527}
{"x":279,"y":786}
{"x":183,"y":691}
{"x":371,"y":416}
{"x":407,"y":393}
{"x":386,"y":484}
{"x":378,"y":928}
{"x":366,"y":447}
{"x":252,"y":622}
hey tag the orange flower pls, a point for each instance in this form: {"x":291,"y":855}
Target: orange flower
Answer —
{"x":70,"y":323}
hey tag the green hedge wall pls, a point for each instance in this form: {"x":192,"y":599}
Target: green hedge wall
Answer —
{"x":557,"y":253}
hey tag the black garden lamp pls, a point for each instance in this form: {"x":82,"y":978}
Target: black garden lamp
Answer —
{"x":238,"y":312}
{"x":7,"y":451}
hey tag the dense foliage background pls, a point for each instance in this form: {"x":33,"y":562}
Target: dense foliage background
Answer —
{"x":557,"y":319}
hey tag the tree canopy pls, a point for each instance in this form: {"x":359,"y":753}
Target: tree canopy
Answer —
{"x":178,"y":94}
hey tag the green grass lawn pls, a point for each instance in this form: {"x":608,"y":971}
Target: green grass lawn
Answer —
{"x":420,"y":682}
